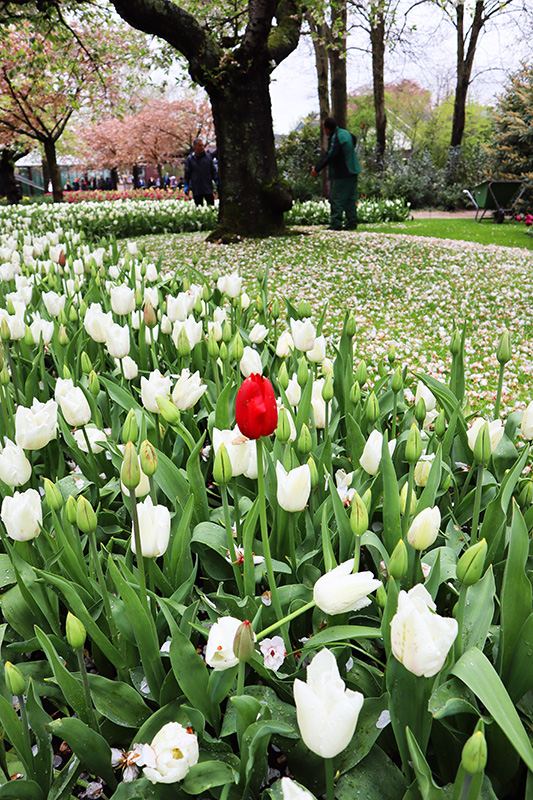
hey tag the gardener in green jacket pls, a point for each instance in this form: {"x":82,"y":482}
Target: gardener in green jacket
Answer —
{"x":343,"y":169}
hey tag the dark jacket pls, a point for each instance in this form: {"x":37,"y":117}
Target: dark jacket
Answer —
{"x":200,"y":173}
{"x":341,"y":158}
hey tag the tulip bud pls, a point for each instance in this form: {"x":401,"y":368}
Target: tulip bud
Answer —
{"x":327,"y":389}
{"x":4,"y":376}
{"x":71,"y":509}
{"x":275,"y":310}
{"x":62,"y":317}
{"x":304,"y":309}
{"x":361,"y":374}
{"x":403,"y":501}
{"x":420,"y":412}
{"x":223,"y":352}
{"x":381,"y":596}
{"x":184,"y":347}
{"x":350,"y":326}
{"x":283,"y":431}
{"x":355,"y":394}
{"x":482,"y":449}
{"x":5,"y":333}
{"x":83,"y":309}
{"x":75,"y":630}
{"x":222,"y":472}
{"x":138,"y":297}
{"x":397,"y":380}
{"x":94,"y":384}
{"x":503,"y":354}
{"x":73,"y":314}
{"x":398,"y":561}
{"x":236,"y":348}
{"x":130,"y":429}
{"x":243,"y":644}
{"x":304,"y":444}
{"x":358,"y":516}
{"x":15,"y":681}
{"x":259,"y":304}
{"x":455,"y":343}
{"x":440,"y":425}
{"x":372,"y":408}
{"x":367,"y":500}
{"x":10,"y":307}
{"x":85,"y":516}
{"x":130,"y":474}
{"x":63,"y":336}
{"x":470,"y":565}
{"x":28,"y":337}
{"x":313,"y":471}
{"x":148,"y":458}
{"x":283,"y":377}
{"x":303,"y":372}
{"x":391,"y":355}
{"x":413,"y":447}
{"x":85,"y":362}
{"x":206,"y":293}
{"x":226,"y":332}
{"x":52,"y":494}
{"x":474,"y":755}
{"x":149,"y":315}
{"x":212,"y":345}
{"x":198,"y":307}
{"x":168,"y":410}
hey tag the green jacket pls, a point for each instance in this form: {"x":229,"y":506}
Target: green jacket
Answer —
{"x":341,"y":158}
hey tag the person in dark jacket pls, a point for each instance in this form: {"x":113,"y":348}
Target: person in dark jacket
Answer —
{"x":343,"y":169}
{"x":200,"y":173}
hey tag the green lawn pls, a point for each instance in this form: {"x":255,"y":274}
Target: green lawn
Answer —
{"x":508,"y":234}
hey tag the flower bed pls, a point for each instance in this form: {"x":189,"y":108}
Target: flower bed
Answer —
{"x":232,"y":565}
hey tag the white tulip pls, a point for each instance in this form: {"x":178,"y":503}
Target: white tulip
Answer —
{"x":230,"y":284}
{"x":154,"y":529}
{"x":156,"y":385}
{"x":318,"y":352}
{"x":192,"y":328}
{"x":326,"y":711}
{"x":423,"y":468}
{"x":122,"y":299}
{"x":187,"y":390}
{"x":294,"y":487}
{"x":219,"y":649}
{"x":527,"y":422}
{"x":129,"y":367}
{"x":341,"y":589}
{"x":303,"y":334}
{"x":54,"y":303}
{"x":293,"y":391}
{"x":36,"y":426}
{"x":250,"y":362}
{"x":242,"y":452}
{"x":118,"y":340}
{"x":73,"y":403}
{"x":96,"y":323}
{"x":291,"y":790}
{"x":22,"y":515}
{"x":318,"y":403}
{"x":173,"y":751}
{"x":421,"y":639}
{"x":94,"y":435}
{"x":258,"y":333}
{"x":423,"y":392}
{"x":371,"y":455}
{"x":496,"y":430}
{"x":424,"y":529}
{"x":15,"y":468}
{"x":285,"y":345}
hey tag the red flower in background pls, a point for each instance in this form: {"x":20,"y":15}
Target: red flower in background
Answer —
{"x":256,"y":411}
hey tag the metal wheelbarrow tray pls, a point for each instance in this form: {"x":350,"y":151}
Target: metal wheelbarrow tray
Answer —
{"x":500,"y":197}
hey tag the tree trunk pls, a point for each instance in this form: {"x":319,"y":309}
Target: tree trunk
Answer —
{"x":377,"y":40}
{"x":114,"y":177}
{"x":53,"y":169}
{"x":252,"y":199}
{"x":320,"y":38}
{"x":465,"y":63}
{"x":337,"y":63}
{"x":9,"y":187}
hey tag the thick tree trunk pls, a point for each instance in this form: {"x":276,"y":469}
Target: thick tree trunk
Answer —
{"x":53,"y":169}
{"x":252,"y":199}
{"x":320,"y":39}
{"x":377,"y":40}
{"x":465,"y":62}
{"x":9,"y":187}
{"x":114,"y":177}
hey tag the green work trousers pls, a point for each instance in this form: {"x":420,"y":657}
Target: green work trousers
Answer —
{"x":343,"y":199}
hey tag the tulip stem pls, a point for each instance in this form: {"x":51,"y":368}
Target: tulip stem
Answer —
{"x":231,"y":545}
{"x":103,"y":587}
{"x":330,"y":778}
{"x":264,"y":530}
{"x":357,"y":554}
{"x":138,"y":550}
{"x":86,"y":690}
{"x":461,"y":604}
{"x":477,"y":505}
{"x":240,"y":678}
{"x":12,"y":370}
{"x":407,"y":511}
{"x":26,"y":731}
{"x":394,"y":414}
{"x":288,"y":618}
{"x":499,"y":392}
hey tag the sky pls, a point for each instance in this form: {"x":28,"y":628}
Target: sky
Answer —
{"x":293,"y":88}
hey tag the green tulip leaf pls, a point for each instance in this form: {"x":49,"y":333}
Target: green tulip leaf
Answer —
{"x":376,"y":777}
{"x":392,"y":525}
{"x":341,"y":633}
{"x":479,"y":611}
{"x":452,"y":697}
{"x":21,"y":790}
{"x":424,"y":778}
{"x":476,"y":671}
{"x":206,"y":774}
{"x":90,"y":747}
{"x":118,"y":702}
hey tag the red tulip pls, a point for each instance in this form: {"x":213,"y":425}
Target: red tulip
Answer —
{"x":256,"y":410}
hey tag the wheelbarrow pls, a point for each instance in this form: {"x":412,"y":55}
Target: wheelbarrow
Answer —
{"x":500,"y":197}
